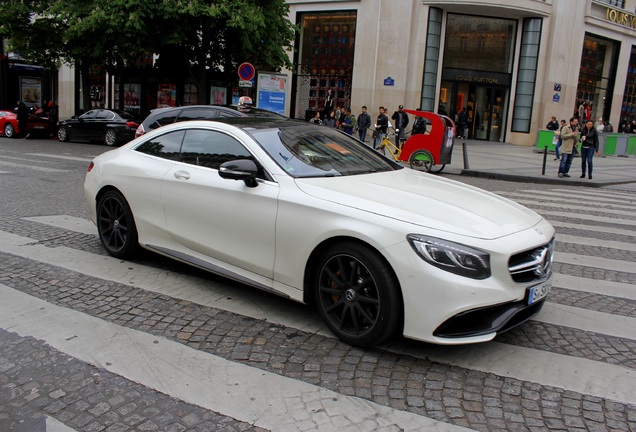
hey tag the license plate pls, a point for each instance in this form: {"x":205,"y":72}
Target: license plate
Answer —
{"x":538,"y":292}
{"x":38,"y":127}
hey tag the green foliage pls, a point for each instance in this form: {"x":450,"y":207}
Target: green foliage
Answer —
{"x":195,"y":35}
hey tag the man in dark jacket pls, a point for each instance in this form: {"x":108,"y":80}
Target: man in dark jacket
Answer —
{"x":400,"y":121}
{"x":364,"y":123}
{"x":381,"y":126}
{"x":23,"y":118}
{"x":462,"y":123}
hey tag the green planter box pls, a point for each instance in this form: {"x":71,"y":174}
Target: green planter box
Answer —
{"x":546,"y":138}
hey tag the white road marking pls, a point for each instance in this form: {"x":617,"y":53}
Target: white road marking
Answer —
{"x":223,"y":386}
{"x":32,"y":167}
{"x":590,"y":241}
{"x":57,"y":156}
{"x":595,"y":286}
{"x":592,"y":261}
{"x":70,"y":223}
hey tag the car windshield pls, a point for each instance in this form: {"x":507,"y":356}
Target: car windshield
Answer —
{"x":317,"y":151}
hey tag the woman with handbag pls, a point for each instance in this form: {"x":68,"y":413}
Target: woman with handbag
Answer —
{"x":589,"y":146}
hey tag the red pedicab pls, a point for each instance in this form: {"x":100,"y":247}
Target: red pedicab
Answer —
{"x":430,"y":151}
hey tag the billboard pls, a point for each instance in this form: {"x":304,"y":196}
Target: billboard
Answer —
{"x":272,"y":92}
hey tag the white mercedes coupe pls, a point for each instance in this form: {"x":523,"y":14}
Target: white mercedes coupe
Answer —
{"x":312,"y":214}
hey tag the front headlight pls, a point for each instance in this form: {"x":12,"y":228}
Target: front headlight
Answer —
{"x":452,"y":257}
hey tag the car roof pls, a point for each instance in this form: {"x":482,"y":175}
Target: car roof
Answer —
{"x":245,"y":110}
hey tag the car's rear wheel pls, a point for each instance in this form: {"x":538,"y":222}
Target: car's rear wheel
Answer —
{"x":357,"y":294}
{"x":110,"y":137}
{"x":62,"y":134}
{"x":116,"y":225}
{"x":9,"y":130}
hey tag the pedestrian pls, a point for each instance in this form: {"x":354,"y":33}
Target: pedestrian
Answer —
{"x":419,"y":125}
{"x":331,"y":120}
{"x":316,"y":119}
{"x":462,"y":123}
{"x":381,"y":125}
{"x":53,"y":117}
{"x":348,"y":121}
{"x":363,"y":123}
{"x":401,"y":120}
{"x":338,"y":115}
{"x":569,"y":139}
{"x":559,"y":141}
{"x":329,"y":104}
{"x":552,"y":124}
{"x":23,"y":118}
{"x":589,"y":146}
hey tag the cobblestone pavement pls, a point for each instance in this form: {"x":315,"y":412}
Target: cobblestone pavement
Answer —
{"x":37,"y":380}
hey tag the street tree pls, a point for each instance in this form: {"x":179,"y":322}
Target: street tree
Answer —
{"x":194,"y":40}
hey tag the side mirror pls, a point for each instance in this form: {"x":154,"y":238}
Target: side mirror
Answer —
{"x":240,"y":169}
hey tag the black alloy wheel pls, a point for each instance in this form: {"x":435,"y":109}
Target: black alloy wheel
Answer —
{"x":116,"y":225}
{"x":358,"y":295}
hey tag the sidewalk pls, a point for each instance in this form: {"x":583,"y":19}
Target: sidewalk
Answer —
{"x":511,"y":162}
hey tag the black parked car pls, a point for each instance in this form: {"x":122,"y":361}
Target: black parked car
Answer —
{"x":164,"y":116}
{"x":111,"y":127}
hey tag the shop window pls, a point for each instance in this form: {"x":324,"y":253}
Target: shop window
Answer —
{"x":596,"y":79}
{"x":479,"y":43}
{"x":628,"y":107}
{"x":325,"y":60}
{"x":526,"y":77}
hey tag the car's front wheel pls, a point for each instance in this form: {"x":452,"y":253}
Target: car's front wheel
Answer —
{"x":62,"y":134}
{"x":9,"y":130}
{"x":116,"y":225}
{"x":357,"y":294}
{"x":110,"y":137}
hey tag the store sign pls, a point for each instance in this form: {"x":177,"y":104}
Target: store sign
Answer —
{"x":621,"y":18}
{"x":477,"y":79}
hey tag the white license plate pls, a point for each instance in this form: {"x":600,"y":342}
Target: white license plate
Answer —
{"x":538,"y":292}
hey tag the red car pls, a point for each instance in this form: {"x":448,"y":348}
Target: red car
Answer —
{"x":35,"y":124}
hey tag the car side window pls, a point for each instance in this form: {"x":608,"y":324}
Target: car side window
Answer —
{"x":166,"y":118}
{"x":198,"y":114}
{"x":166,"y":146}
{"x":103,"y":115}
{"x":230,"y":114}
{"x":89,"y":115}
{"x":211,"y":148}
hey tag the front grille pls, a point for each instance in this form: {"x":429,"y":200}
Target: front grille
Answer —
{"x":532,"y":265}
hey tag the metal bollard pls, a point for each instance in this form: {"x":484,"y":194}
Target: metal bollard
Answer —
{"x":545,"y":158}
{"x":465,"y":152}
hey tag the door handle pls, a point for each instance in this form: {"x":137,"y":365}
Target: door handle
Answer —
{"x":183,"y":175}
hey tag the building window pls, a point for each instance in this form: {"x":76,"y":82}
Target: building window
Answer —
{"x":614,"y":3}
{"x":431,"y":61}
{"x":325,"y":61}
{"x":628,"y":108}
{"x":527,"y":74}
{"x":596,"y":79}
{"x":479,"y":43}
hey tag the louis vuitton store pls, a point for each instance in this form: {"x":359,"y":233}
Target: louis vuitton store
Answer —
{"x":511,"y":65}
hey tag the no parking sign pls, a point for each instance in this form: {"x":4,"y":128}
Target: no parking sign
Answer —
{"x":246,"y":71}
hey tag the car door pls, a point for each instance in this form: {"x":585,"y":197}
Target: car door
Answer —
{"x":98,"y":125}
{"x":222,"y":219}
{"x":80,"y":128}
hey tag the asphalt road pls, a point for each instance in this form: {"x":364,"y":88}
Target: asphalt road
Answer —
{"x":91,"y":343}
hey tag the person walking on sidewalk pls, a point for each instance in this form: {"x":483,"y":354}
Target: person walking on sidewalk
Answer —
{"x":569,"y":140}
{"x":559,"y":142}
{"x":363,"y":123}
{"x":589,"y":146}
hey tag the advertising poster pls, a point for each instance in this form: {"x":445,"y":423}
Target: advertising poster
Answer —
{"x":272,"y":92}
{"x":131,"y":97}
{"x":218,"y":95}
{"x":31,"y":91}
{"x":166,"y":95}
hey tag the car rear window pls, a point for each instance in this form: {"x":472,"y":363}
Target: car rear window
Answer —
{"x":198,"y":114}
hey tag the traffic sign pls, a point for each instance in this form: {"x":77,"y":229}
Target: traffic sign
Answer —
{"x":246,"y":71}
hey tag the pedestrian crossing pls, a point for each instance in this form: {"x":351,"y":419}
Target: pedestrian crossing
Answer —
{"x":589,"y":224}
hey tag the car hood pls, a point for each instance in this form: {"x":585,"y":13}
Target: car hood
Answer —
{"x":425,"y":200}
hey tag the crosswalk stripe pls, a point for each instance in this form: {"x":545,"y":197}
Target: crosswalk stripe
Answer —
{"x":32,"y":167}
{"x":592,"y":261}
{"x":589,"y":241}
{"x":609,"y":197}
{"x":584,"y":217}
{"x":591,"y":228}
{"x":595,"y":286}
{"x":593,"y":194}
{"x":587,"y":320}
{"x":196,"y":377}
{"x":585,"y":209}
{"x":63,"y":157}
{"x":549,"y":199}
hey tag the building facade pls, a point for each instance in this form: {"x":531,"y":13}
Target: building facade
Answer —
{"x":511,"y":65}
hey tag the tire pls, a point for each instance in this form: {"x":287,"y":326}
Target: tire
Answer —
{"x":357,"y":295}
{"x":62,"y":134}
{"x":9,"y":130}
{"x":422,"y":160}
{"x":116,"y":225}
{"x":110,"y":138}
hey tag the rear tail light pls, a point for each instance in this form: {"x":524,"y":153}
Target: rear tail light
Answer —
{"x":132,"y":125}
{"x":140,"y":131}
{"x":90,"y":166}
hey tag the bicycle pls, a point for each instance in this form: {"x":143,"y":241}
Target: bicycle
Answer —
{"x":421,"y":159}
